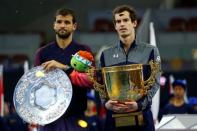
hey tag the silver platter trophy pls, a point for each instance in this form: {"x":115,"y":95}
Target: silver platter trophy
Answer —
{"x":42,"y":97}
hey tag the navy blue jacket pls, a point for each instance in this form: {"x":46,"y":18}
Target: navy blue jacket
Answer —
{"x":53,"y":52}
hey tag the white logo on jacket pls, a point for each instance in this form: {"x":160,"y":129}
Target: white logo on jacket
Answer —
{"x":158,"y":59}
{"x":115,"y":55}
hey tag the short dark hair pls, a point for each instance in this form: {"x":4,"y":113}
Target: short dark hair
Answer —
{"x":180,"y":82}
{"x":122,"y":8}
{"x":64,"y":12}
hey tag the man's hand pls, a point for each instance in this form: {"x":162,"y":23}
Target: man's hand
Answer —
{"x":131,"y":106}
{"x":121,"y":107}
{"x":49,"y":65}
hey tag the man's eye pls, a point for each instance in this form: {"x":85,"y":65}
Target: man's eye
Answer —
{"x":126,"y":20}
{"x":118,"y":21}
{"x":67,"y":22}
{"x":58,"y":21}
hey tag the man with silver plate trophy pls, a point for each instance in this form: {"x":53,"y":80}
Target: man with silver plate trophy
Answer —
{"x":131,"y":73}
{"x":53,"y":95}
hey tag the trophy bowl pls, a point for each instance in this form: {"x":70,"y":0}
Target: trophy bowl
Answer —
{"x":124,"y":83}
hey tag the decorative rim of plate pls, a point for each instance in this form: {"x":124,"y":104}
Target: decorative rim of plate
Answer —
{"x":42,"y":97}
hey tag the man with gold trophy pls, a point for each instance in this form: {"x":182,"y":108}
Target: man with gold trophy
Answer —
{"x":130,"y":72}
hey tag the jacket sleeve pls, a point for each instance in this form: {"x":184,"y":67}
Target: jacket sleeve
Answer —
{"x":37,"y":60}
{"x":102,"y":61}
{"x":147,"y":100}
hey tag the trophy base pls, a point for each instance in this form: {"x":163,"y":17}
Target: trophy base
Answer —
{"x":128,"y":119}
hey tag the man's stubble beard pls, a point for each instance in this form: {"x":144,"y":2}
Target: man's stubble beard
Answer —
{"x":63,"y":36}
{"x":127,"y":35}
{"x":124,"y":35}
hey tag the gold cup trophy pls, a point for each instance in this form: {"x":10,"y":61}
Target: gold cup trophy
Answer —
{"x":125,"y":83}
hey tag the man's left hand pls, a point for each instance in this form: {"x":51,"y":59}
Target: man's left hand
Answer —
{"x":123,"y":107}
{"x":49,"y":65}
{"x":131,"y":106}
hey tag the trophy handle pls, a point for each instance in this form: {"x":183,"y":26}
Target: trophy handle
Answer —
{"x":155,"y":68}
{"x":97,"y":86}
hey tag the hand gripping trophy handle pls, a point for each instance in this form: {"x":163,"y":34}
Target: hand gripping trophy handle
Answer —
{"x":97,"y":86}
{"x":155,"y":68}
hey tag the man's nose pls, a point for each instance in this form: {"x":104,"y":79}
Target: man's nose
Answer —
{"x":63,"y":24}
{"x":122,"y":23}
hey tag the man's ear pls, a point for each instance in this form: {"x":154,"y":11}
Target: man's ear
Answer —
{"x":135,"y":23}
{"x":115,"y":26}
{"x":74,"y":26}
{"x":54,"y":25}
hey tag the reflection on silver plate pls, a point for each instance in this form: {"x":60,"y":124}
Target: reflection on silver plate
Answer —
{"x":42,"y":97}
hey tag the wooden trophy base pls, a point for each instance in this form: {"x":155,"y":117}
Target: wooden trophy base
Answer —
{"x":128,"y":119}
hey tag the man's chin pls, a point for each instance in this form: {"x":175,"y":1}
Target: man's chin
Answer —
{"x":124,"y":35}
{"x":63,"y":36}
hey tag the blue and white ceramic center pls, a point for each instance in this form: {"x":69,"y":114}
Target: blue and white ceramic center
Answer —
{"x":45,"y":96}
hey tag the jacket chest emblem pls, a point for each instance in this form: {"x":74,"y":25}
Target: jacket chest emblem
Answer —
{"x":115,"y":55}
